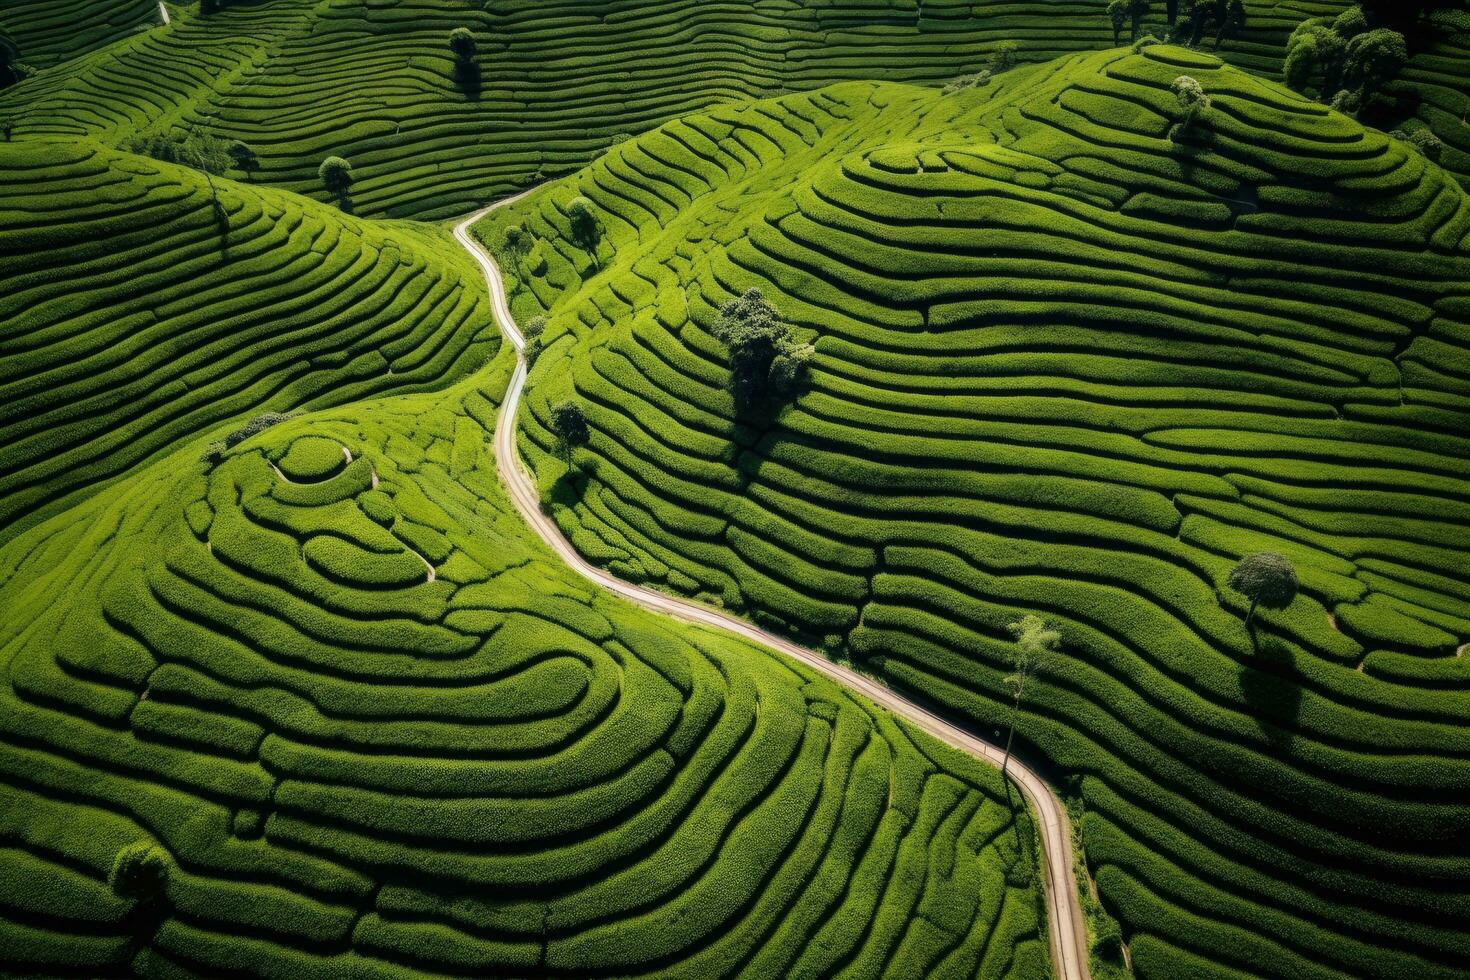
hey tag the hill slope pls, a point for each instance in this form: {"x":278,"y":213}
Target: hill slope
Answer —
{"x":1065,"y":364}
{"x":559,"y":81}
{"x":136,"y":316}
{"x":382,"y":733}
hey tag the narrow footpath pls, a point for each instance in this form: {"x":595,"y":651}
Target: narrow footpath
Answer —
{"x":1064,"y":911}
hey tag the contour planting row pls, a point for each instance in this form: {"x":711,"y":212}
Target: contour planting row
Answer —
{"x":1066,"y":364}
{"x":554,"y":84}
{"x":144,"y":305}
{"x":379,"y":732}
{"x":50,"y":31}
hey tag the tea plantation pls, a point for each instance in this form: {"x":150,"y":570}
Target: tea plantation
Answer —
{"x":196,"y":312}
{"x":380,"y":732}
{"x":556,"y":81}
{"x":1067,"y":363}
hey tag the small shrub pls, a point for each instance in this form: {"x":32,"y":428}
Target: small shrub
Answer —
{"x":213,"y":454}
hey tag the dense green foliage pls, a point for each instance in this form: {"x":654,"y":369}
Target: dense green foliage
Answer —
{"x":1065,"y":364}
{"x":135,"y":314}
{"x":364,"y":725}
{"x":559,"y":81}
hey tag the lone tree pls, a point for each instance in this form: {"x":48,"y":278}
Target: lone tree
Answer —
{"x":569,"y":425}
{"x":466,"y":52}
{"x":1036,"y":644}
{"x":336,"y":177}
{"x":1194,"y":102}
{"x":515,"y":243}
{"x":533,"y":331}
{"x":1118,"y":14}
{"x":765,"y":362}
{"x":140,"y":872}
{"x":586,"y":229}
{"x":1266,"y":579}
{"x":462,"y":43}
{"x":244,"y":158}
{"x":1003,"y":56}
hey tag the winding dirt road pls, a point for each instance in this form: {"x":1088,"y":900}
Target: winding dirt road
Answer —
{"x":1068,"y":934}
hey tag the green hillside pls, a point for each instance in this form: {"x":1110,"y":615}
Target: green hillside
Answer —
{"x":558,"y":80}
{"x":381,"y":733}
{"x":134,"y":315}
{"x":1063,"y":363}
{"x":51,"y":31}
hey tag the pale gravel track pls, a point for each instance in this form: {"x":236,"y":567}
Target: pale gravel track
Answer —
{"x":1064,"y":911}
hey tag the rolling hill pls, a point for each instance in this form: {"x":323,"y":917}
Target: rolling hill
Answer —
{"x":558,"y":82}
{"x":380,"y":732}
{"x":1066,"y":363}
{"x":138,"y":312}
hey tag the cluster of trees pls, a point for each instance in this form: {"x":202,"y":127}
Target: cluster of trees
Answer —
{"x":766,"y":364}
{"x":1227,"y":17}
{"x":1353,"y":55}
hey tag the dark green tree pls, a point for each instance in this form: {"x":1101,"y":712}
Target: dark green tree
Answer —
{"x":243,"y":157}
{"x":1266,"y":579}
{"x":1118,"y":15}
{"x":569,"y":425}
{"x":336,"y":177}
{"x":1130,"y":12}
{"x":1194,"y":103}
{"x":766,"y":364}
{"x":1003,"y":56}
{"x":462,"y":42}
{"x":1036,"y":644}
{"x":1374,"y":58}
{"x":586,"y":229}
{"x":515,"y":243}
{"x":466,"y":54}
{"x":533,"y":332}
{"x":140,"y":873}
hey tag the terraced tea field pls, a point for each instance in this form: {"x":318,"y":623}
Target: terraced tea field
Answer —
{"x":1063,"y":363}
{"x":384,"y":598}
{"x":558,"y":82}
{"x":196,"y":314}
{"x":379,"y":730}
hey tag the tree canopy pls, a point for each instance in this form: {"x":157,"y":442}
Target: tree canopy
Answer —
{"x":1266,"y":579}
{"x":765,"y":362}
{"x":569,"y":425}
{"x":140,"y":872}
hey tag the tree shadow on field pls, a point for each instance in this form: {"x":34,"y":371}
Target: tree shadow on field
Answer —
{"x":469,"y":80}
{"x":571,"y":486}
{"x":1270,"y":684}
{"x":1018,"y":852}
